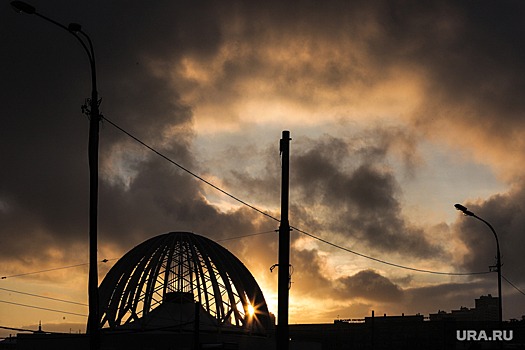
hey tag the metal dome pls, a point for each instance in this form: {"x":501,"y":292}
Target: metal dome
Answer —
{"x":186,"y":266}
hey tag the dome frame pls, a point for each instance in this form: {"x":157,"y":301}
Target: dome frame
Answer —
{"x":181,"y":264}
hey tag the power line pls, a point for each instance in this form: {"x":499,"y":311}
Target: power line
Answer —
{"x":275,"y":219}
{"x":190,"y":172}
{"x":42,"y":308}
{"x":105,"y":261}
{"x":43,"y":297}
{"x":387,"y":262}
{"x":512,"y":284}
{"x":239,"y":237}
{"x":53,"y":269}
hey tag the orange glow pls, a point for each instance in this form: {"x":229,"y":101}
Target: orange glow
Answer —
{"x":251,"y":310}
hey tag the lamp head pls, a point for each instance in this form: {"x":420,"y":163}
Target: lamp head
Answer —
{"x":22,"y":7}
{"x":463,"y":209}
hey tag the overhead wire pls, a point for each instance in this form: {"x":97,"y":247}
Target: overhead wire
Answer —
{"x":512,"y":284}
{"x":244,"y":236}
{"x":53,"y":269}
{"x":189,"y":172}
{"x":277,"y":220}
{"x":106,"y":260}
{"x":43,"y":297}
{"x":387,"y":262}
{"x":42,"y":308}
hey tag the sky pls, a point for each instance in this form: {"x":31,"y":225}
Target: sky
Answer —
{"x":397,"y":110}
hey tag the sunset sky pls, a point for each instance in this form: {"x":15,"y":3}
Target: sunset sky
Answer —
{"x":397,"y":111}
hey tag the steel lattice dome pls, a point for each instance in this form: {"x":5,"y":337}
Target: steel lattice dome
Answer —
{"x":179,"y":268}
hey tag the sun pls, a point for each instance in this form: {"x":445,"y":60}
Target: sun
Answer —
{"x":251,"y":310}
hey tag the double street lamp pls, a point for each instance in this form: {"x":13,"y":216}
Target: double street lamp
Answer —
{"x":91,"y":109}
{"x":465,"y":211}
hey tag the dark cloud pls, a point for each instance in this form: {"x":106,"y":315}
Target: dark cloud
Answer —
{"x":470,"y":50}
{"x":370,"y":290}
{"x":44,"y":194}
{"x":369,"y":285}
{"x":312,"y":278}
{"x":357,"y":198}
{"x":160,"y":199}
{"x":308,"y":277}
{"x":262,"y":183}
{"x":349,"y":183}
{"x":356,"y":295}
{"x":469,"y":54}
{"x":487,"y":39}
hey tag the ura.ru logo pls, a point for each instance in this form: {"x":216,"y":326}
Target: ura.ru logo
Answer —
{"x":495,"y":335}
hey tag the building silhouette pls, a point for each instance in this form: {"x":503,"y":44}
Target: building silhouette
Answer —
{"x":436,"y":332}
{"x":178,"y":290}
{"x":486,"y":309}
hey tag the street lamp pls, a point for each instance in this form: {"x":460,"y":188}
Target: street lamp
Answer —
{"x":91,"y":109}
{"x":498,"y":256}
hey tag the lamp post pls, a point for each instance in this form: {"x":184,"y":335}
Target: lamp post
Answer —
{"x":465,"y":211}
{"x":91,"y":109}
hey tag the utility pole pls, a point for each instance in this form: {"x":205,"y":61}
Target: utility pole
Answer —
{"x":93,"y":144}
{"x":92,"y":111}
{"x":282,"y":337}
